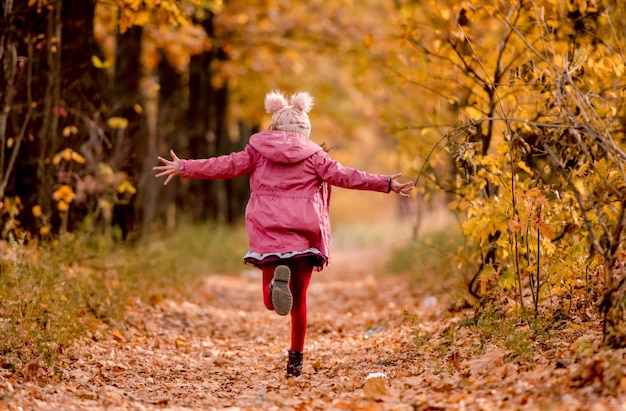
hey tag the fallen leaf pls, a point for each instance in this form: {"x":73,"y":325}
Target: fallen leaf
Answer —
{"x":489,"y":361}
{"x":317,"y":365}
{"x":117,"y":335}
{"x":375,"y":388}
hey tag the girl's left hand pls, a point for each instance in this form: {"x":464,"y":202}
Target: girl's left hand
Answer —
{"x":404,"y":189}
{"x":171,"y":168}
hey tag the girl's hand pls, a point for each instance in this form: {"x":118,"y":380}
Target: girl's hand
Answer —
{"x":404,"y":189}
{"x":171,"y":168}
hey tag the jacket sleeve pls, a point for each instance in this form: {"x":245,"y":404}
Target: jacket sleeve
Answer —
{"x":222,"y":167}
{"x":335,"y":174}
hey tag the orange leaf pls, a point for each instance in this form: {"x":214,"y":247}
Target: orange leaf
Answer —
{"x":375,"y":387}
{"x":515,"y":224}
{"x":117,"y":335}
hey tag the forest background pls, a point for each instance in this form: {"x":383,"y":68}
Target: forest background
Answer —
{"x":509,"y":114}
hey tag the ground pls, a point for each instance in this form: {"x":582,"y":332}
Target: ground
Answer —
{"x":222,"y":350}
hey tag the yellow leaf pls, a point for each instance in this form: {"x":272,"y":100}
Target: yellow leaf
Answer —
{"x":63,"y":298}
{"x":473,"y":112}
{"x":78,"y":158}
{"x":126,"y":187}
{"x":97,"y":63}
{"x":117,"y":335}
{"x":580,"y":186}
{"x":45,"y":230}
{"x":138,"y":109}
{"x":141,"y":18}
{"x":68,"y":155}
{"x":37,"y":211}
{"x":117,"y":122}
{"x":503,"y":148}
{"x":64,"y":194}
{"x":317,"y":365}
{"x":180,"y":343}
{"x":369,"y":40}
{"x":69,"y":130}
{"x":524,"y":167}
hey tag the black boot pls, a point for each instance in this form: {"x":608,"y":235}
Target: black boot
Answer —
{"x":280,"y":292}
{"x":294,"y":366}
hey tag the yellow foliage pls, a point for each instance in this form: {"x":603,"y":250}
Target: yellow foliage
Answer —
{"x":69,"y":130}
{"x":37,"y":211}
{"x":117,"y":122}
{"x":105,"y":169}
{"x":68,"y":155}
{"x":126,"y":187}
{"x":98,"y":63}
{"x":62,"y":206}
{"x":64,"y":194}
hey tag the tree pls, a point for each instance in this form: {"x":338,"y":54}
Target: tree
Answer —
{"x":531,"y":96}
{"x":130,"y":141}
{"x":40,"y":100}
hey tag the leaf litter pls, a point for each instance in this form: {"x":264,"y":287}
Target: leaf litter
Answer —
{"x":223,"y":351}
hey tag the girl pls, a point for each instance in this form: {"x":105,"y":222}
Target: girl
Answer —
{"x":287,"y":215}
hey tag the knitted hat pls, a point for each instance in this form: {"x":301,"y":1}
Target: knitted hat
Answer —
{"x":291,"y":118}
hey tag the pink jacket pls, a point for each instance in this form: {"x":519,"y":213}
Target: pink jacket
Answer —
{"x":289,"y":189}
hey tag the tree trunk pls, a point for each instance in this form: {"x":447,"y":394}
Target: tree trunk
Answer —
{"x":613,"y":306}
{"x":8,"y":75}
{"x":199,"y":199}
{"x":222,"y":201}
{"x":130,"y":146}
{"x":160,"y":202}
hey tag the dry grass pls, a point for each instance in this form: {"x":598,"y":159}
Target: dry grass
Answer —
{"x":80,"y":286}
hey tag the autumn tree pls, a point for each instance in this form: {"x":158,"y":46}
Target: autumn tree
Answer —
{"x":530,"y":99}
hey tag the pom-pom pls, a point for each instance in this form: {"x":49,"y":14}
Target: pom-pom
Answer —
{"x":274,"y":101}
{"x":302,"y":101}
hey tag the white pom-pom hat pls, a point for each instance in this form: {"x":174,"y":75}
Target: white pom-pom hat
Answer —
{"x":290,"y":117}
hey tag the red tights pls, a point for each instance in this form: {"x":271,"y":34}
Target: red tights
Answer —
{"x":301,"y":270}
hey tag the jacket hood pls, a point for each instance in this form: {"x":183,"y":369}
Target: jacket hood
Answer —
{"x":283,"y":147}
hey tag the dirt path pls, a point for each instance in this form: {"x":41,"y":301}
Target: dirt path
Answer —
{"x":224,"y":351}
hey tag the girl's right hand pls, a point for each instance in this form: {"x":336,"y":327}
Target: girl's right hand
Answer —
{"x":171,"y":168}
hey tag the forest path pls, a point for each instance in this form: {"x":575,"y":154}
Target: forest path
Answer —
{"x":222,"y":350}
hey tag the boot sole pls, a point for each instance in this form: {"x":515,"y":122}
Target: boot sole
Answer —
{"x":281,"y":295}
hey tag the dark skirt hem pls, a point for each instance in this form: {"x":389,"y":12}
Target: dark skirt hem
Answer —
{"x":318,"y":261}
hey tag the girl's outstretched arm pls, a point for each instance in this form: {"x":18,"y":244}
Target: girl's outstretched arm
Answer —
{"x":171,"y":168}
{"x":404,"y":189}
